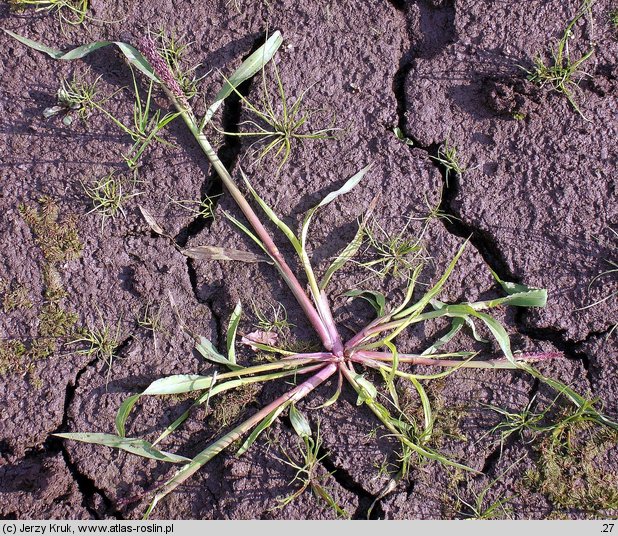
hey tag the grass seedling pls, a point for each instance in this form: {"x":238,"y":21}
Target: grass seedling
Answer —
{"x":279,"y":125}
{"x":74,"y":97}
{"x":368,"y":362}
{"x":309,"y":472}
{"x":563,"y":73}
{"x":101,"y":342}
{"x":448,"y":159}
{"x":497,"y":509}
{"x":395,"y":254}
{"x":108,"y":197}
{"x":73,"y":12}
{"x":276,"y":321}
{"x":151,"y":320}
{"x":204,"y":208}
{"x":609,"y":295}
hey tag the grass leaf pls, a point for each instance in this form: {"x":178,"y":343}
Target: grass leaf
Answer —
{"x":254,"y":63}
{"x":178,"y":384}
{"x":123,"y":413}
{"x":133,"y":56}
{"x":207,"y":349}
{"x":132,"y":445}
{"x":299,"y":422}
{"x":213,"y":253}
{"x":349,"y":251}
{"x":348,"y":185}
{"x":376,"y":299}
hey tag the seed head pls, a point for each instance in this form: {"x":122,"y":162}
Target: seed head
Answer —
{"x":162,"y":70}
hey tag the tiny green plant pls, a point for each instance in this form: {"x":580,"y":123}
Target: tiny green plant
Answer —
{"x":447,"y":157}
{"x":100,"y":341}
{"x":309,"y":472}
{"x":369,"y":362}
{"x":73,"y":12}
{"x":108,"y":197}
{"x":278,"y":126}
{"x":613,"y":18}
{"x":151,"y":319}
{"x":563,"y":73}
{"x":402,"y":137}
{"x":603,"y":277}
{"x":204,"y":208}
{"x":394,"y":254}
{"x":75,"y":97}
{"x":276,"y":320}
{"x":147,"y":125}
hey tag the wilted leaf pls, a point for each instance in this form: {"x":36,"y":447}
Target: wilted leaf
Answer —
{"x":213,"y":253}
{"x":266,"y":338}
{"x":152,"y":223}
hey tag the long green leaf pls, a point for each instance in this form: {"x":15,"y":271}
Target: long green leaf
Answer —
{"x":254,"y":63}
{"x":178,"y":384}
{"x":348,"y":185}
{"x":132,"y":445}
{"x":133,"y":56}
{"x":349,"y":251}
{"x":208,"y":350}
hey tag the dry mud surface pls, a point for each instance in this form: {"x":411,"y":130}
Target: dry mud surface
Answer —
{"x":537,"y":198}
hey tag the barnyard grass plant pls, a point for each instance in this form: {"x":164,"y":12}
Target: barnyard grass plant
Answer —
{"x":369,"y":362}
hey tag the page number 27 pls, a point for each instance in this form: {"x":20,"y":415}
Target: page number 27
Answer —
{"x":608,"y":527}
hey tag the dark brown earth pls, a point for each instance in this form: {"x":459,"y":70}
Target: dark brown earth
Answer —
{"x":537,"y":198}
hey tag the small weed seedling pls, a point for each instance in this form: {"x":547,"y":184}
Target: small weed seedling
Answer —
{"x":613,"y":18}
{"x":204,"y":208}
{"x":402,"y":137}
{"x":395,"y":254}
{"x":108,"y":197}
{"x":369,"y":362}
{"x":275,"y":321}
{"x":73,"y":12}
{"x":74,"y":97}
{"x":151,"y":320}
{"x":447,"y":157}
{"x":600,"y":277}
{"x":101,"y":342}
{"x":563,"y":73}
{"x":308,"y":469}
{"x":279,"y":125}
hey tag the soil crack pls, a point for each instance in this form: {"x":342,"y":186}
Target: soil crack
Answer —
{"x":86,"y":486}
{"x":228,"y":153}
{"x":347,"y":482}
